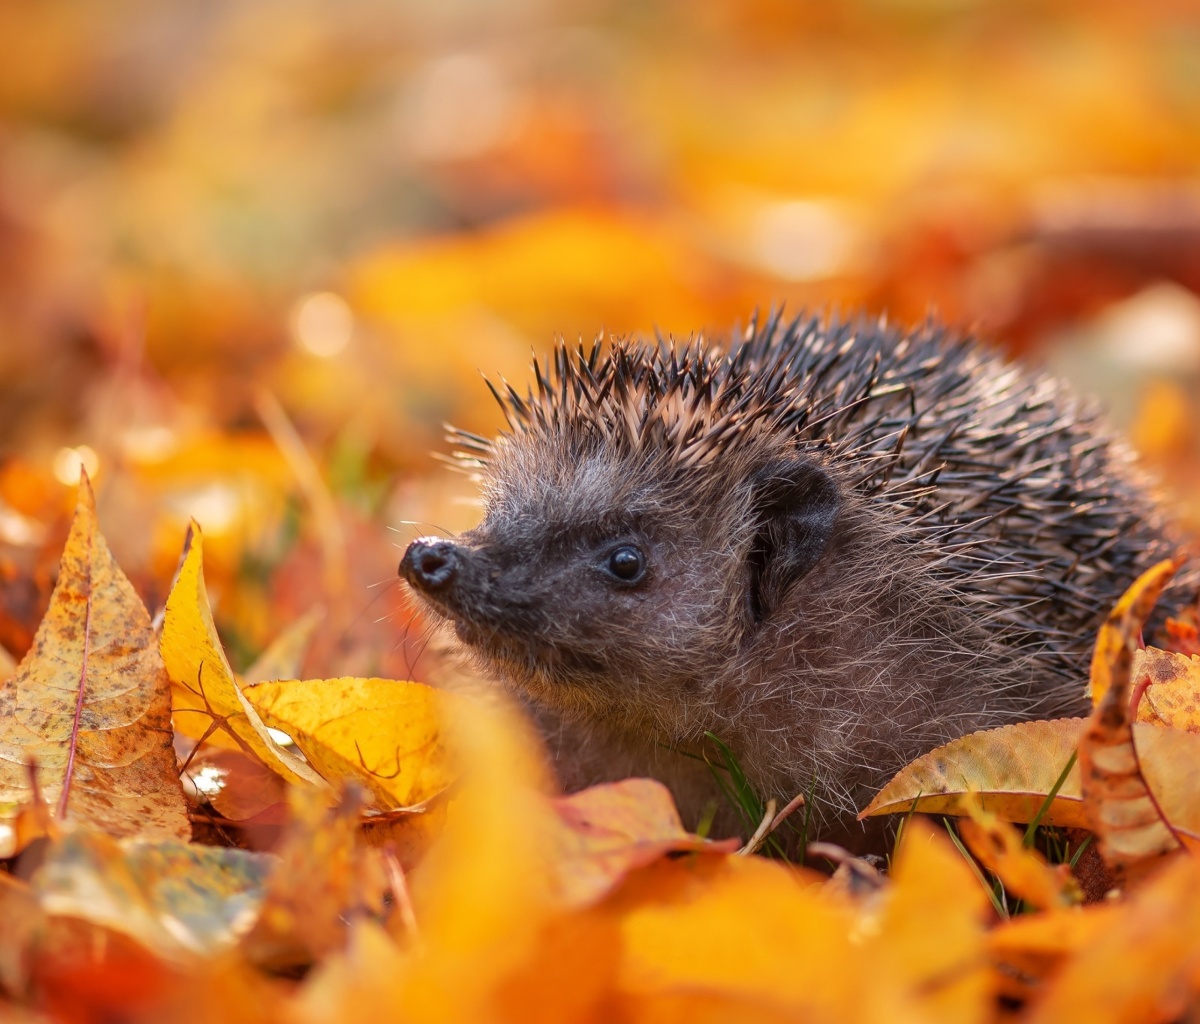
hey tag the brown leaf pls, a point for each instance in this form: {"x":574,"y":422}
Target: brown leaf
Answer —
{"x":1011,"y":769}
{"x":237,"y":786}
{"x":1121,"y":810}
{"x":90,"y":703}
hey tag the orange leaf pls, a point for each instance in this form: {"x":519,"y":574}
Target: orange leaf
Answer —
{"x":90,"y":703}
{"x":1144,"y":966}
{"x":317,"y":883}
{"x":1024,"y":872}
{"x":1121,"y":810}
{"x":1118,"y":639}
{"x":607,"y":831}
{"x":1011,"y":769}
{"x":1030,"y":948}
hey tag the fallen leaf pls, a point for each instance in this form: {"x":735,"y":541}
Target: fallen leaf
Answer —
{"x":1028,"y":949}
{"x":606,"y":831}
{"x":1000,"y":848}
{"x":320,"y":881}
{"x":236,"y":786}
{"x":1010,"y":769}
{"x":206,"y":695}
{"x":928,"y":940}
{"x":738,"y":929}
{"x":1172,"y":695}
{"x":384,"y":734}
{"x":90,"y":704}
{"x":1143,"y":966}
{"x":1119,"y":636}
{"x":1169,"y":761}
{"x":1130,"y":829}
{"x":172,"y":898}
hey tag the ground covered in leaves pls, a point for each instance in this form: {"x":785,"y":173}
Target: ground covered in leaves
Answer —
{"x":253,"y":256}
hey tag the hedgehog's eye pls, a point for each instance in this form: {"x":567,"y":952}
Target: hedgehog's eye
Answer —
{"x":626,"y":563}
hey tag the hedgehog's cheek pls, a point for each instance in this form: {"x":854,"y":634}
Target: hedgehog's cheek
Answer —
{"x":798,"y":504}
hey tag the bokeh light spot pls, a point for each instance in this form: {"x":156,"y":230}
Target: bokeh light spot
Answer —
{"x":322,"y":324}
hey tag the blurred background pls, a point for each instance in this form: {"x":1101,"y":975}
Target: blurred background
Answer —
{"x":253,"y":255}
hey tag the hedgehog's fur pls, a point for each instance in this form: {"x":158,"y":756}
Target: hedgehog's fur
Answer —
{"x":861,"y":542}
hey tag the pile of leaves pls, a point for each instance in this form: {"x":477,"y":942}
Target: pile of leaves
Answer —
{"x":420,"y":866}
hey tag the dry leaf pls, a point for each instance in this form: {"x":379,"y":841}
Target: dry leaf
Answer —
{"x":1172,"y":695}
{"x":1010,"y":769}
{"x":738,"y":928}
{"x":1143,"y":966}
{"x":316,"y":886}
{"x":387,"y":735}
{"x":89,"y":703}
{"x":206,"y":694}
{"x":173,"y":898}
{"x":606,"y":831}
{"x":1030,"y":948}
{"x":1000,"y":848}
{"x":928,"y":941}
{"x":1119,"y":637}
{"x":238,"y":787}
{"x":1121,"y":810}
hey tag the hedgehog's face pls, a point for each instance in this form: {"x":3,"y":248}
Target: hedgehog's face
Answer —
{"x":601,"y":586}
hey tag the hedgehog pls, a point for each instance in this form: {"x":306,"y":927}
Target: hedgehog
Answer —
{"x":830,"y":545}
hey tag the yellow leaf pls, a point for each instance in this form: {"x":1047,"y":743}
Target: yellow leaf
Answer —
{"x":206,"y":694}
{"x":1011,"y":769}
{"x":386,"y":735}
{"x":737,"y":928}
{"x":929,"y":941}
{"x":1118,"y":638}
{"x":89,"y":704}
{"x":1169,"y":760}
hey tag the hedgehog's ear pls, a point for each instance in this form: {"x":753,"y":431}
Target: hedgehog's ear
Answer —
{"x":797,"y":503}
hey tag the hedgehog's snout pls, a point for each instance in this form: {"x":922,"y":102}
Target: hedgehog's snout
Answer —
{"x":431,"y":564}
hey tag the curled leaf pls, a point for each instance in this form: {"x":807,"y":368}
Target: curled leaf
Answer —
{"x":206,"y":694}
{"x":1120,"y":808}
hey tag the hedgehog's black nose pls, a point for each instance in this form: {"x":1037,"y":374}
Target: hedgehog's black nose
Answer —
{"x":430,"y":563}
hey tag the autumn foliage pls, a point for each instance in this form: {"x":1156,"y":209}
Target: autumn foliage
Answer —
{"x":252,"y":257}
{"x":422,"y":865}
